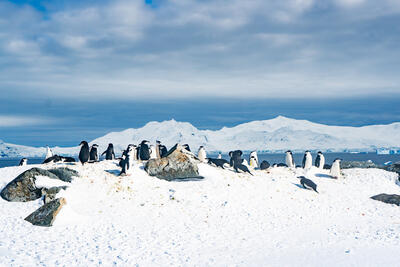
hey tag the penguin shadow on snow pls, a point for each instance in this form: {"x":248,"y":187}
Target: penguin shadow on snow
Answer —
{"x":190,"y":179}
{"x":322,"y":175}
{"x":113,"y":172}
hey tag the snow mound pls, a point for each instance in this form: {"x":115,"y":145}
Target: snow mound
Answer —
{"x":226,"y":219}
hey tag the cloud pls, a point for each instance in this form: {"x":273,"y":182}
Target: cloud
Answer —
{"x":19,"y":120}
{"x":185,"y":48}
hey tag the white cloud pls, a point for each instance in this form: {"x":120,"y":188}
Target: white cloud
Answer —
{"x":125,"y":49}
{"x":18,"y":120}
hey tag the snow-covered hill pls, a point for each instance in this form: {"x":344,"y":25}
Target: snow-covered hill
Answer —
{"x":275,"y":135}
{"x":226,"y":219}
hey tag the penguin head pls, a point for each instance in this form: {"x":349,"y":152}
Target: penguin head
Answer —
{"x":338,"y":160}
{"x":319,"y":153}
{"x":289,"y":152}
{"x":110,"y":145}
{"x":95,"y":145}
{"x":84,"y":143}
{"x":158,"y":142}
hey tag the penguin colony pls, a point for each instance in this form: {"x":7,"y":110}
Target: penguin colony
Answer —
{"x":146,"y":151}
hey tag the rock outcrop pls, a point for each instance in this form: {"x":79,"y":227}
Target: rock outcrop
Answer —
{"x":23,"y":188}
{"x":389,"y":199}
{"x":177,"y":164}
{"x":64,"y":174}
{"x":45,"y":215}
{"x":358,"y":164}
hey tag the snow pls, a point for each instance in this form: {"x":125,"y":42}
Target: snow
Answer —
{"x":226,"y":219}
{"x":275,"y":135}
{"x":47,"y":182}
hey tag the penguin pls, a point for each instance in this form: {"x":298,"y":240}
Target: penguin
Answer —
{"x":320,"y":160}
{"x":93,"y":156}
{"x":254,"y":155}
{"x":163,"y":151}
{"x":49,"y":153}
{"x":23,"y":162}
{"x":307,"y":160}
{"x":187,"y":147}
{"x":253,"y":162}
{"x":109,"y":152}
{"x":264,"y":165}
{"x":128,"y":161}
{"x":308,"y":184}
{"x":241,"y":168}
{"x":236,"y":157}
{"x":335,"y":169}
{"x":289,"y":159}
{"x":218,"y":162}
{"x":144,"y":151}
{"x":202,"y":155}
{"x":158,"y":152}
{"x":153,"y":152}
{"x":237,"y":162}
{"x":84,"y":153}
{"x":219,"y":155}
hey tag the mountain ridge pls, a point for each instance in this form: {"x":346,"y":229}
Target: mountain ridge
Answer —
{"x":273,"y":135}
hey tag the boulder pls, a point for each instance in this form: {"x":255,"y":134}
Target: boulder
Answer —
{"x":49,"y":194}
{"x":23,"y":188}
{"x":46,"y":214}
{"x":358,"y":164}
{"x":390,"y":199}
{"x":64,"y":174}
{"x":177,"y":164}
{"x":393,"y":168}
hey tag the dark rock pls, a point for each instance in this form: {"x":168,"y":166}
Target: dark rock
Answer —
{"x":390,"y":199}
{"x":64,"y":174}
{"x":282,"y":165}
{"x":45,"y":215}
{"x":358,"y":164}
{"x":177,"y":164}
{"x":49,"y":194}
{"x":23,"y":188}
{"x":393,"y":168}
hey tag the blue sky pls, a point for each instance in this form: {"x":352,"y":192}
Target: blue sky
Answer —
{"x":72,"y":70}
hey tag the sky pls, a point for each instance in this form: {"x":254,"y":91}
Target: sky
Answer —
{"x":74,"y":70}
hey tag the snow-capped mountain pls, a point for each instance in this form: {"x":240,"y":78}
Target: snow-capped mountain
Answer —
{"x":275,"y":135}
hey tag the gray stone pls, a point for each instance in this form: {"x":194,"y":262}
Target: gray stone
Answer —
{"x":390,"y":199}
{"x":358,"y":164}
{"x":49,"y":194}
{"x":393,"y":168}
{"x":45,"y":215}
{"x":64,"y":174}
{"x":177,"y":164}
{"x":23,"y":188}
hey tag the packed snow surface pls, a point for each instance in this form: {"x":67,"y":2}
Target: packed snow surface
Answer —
{"x":275,"y":135}
{"x":225,"y":219}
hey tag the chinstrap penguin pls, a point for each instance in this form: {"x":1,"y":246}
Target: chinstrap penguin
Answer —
{"x":202,"y":155}
{"x":308,"y":184}
{"x":320,"y":160}
{"x":289,"y":159}
{"x":335,"y":171}
{"x":84,"y":153}
{"x":93,"y":155}
{"x":307,"y":160}
{"x":23,"y":162}
{"x":110,"y":155}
